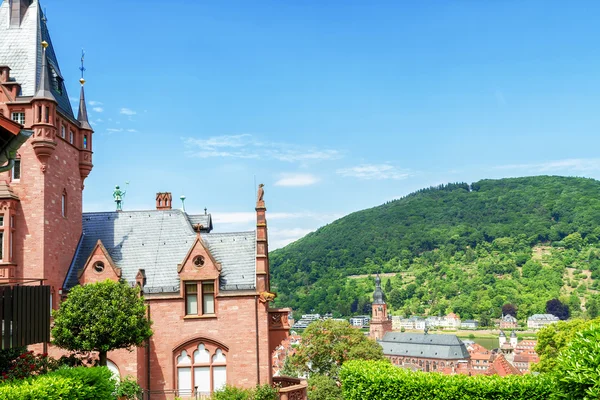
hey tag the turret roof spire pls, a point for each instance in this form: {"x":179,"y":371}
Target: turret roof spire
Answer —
{"x":44,"y":91}
{"x":82,"y":116}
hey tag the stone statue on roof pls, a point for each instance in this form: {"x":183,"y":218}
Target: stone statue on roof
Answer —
{"x":261,"y":193}
{"x":118,"y":195}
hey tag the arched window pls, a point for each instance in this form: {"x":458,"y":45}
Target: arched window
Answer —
{"x":201,"y":368}
{"x":114,"y":369}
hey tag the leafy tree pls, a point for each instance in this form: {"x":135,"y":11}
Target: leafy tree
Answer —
{"x":573,"y":241}
{"x":558,"y":309}
{"x":101,"y":317}
{"x":554,"y":338}
{"x":509,"y":309}
{"x":578,"y":366}
{"x":327,"y":344}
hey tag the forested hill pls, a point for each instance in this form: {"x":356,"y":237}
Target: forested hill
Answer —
{"x":436,"y":222}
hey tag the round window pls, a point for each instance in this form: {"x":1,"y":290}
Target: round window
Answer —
{"x":199,"y":261}
{"x":99,"y":267}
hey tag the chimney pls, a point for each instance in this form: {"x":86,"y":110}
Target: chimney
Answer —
{"x":17,"y":11}
{"x":163,"y":201}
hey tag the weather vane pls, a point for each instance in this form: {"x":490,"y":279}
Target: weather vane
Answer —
{"x":82,"y":68}
{"x":118,"y":195}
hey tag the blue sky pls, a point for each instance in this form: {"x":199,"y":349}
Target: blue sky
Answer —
{"x":336,"y":106}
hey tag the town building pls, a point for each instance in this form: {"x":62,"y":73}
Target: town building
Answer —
{"x":426,"y":352}
{"x":469,"y":324}
{"x":412,"y":323}
{"x":508,"y":322}
{"x":537,"y":321}
{"x":450,"y":321}
{"x":208,"y":294}
{"x":360,"y":321}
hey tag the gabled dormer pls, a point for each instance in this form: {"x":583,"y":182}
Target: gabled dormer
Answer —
{"x":199,"y":273}
{"x":99,"y":267}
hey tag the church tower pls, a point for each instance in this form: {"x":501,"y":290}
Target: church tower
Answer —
{"x":41,"y":231}
{"x":380,"y":323}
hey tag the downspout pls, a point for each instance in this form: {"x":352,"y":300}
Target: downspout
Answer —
{"x":11,"y":162}
{"x":257,"y":349}
{"x":10,"y":150}
{"x":148,"y":358}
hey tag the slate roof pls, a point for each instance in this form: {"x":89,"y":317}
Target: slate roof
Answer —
{"x":446,"y":347}
{"x":543,"y":317}
{"x":21,"y":50}
{"x":157,"y":241}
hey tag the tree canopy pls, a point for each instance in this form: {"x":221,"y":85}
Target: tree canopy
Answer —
{"x":326,"y":345}
{"x":101,"y":317}
{"x":464,"y":248}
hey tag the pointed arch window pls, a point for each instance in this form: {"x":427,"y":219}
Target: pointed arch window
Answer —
{"x":201,"y":369}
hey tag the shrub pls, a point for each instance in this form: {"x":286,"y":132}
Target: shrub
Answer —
{"x":380,"y":380}
{"x":8,"y":355}
{"x":29,"y":364}
{"x":321,"y":387}
{"x":129,"y":389}
{"x":578,"y":365}
{"x":264,"y":392}
{"x":69,"y":383}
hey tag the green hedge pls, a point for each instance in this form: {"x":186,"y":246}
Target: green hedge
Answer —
{"x":81,"y":383}
{"x":383,"y":381}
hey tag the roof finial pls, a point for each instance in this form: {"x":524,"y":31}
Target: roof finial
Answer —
{"x":182,"y":197}
{"x":205,"y":209}
{"x":82,"y":68}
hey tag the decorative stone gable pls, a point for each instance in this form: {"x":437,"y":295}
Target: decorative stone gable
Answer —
{"x":99,"y":267}
{"x":199,"y":264}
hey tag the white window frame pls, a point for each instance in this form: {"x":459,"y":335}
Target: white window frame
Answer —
{"x":18,"y":116}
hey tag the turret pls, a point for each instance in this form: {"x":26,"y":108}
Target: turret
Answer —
{"x":513,"y":339}
{"x":44,"y":111}
{"x":85,"y":151}
{"x":501,"y":339}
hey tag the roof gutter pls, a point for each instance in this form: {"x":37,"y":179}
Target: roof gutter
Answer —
{"x":9,"y":154}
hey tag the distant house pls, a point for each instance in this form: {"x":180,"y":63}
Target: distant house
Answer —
{"x":450,"y":321}
{"x":360,"y":320}
{"x":427,"y":352}
{"x":412,"y":323}
{"x":469,"y":324}
{"x":537,"y":321}
{"x":508,"y":322}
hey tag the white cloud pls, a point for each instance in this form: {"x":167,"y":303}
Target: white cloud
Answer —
{"x":98,"y":109}
{"x":570,"y":164}
{"x":374,"y":171}
{"x":95,"y":103}
{"x":248,"y":146}
{"x":282,"y":237}
{"x":291,"y":180}
{"x":127,"y":111}
{"x":114,"y":129}
{"x":131,"y":130}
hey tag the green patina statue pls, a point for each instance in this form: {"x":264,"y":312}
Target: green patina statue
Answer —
{"x":118,"y":195}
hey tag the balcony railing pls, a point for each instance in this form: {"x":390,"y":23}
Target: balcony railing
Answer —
{"x":290,"y":388}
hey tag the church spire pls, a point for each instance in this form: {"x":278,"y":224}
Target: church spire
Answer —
{"x":378,"y":293}
{"x":44,"y":86}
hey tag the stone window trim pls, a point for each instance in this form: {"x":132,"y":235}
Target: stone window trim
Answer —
{"x":216,"y":356}
{"x":18,"y":116}
{"x":204,"y":293}
{"x":15,"y":172}
{"x":7,"y":232}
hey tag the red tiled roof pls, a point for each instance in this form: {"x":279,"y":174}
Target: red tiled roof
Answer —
{"x":502,"y":367}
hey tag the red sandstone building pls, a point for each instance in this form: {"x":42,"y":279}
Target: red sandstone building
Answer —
{"x":207,"y":293}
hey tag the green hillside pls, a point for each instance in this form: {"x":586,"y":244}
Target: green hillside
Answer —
{"x":465,"y":248}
